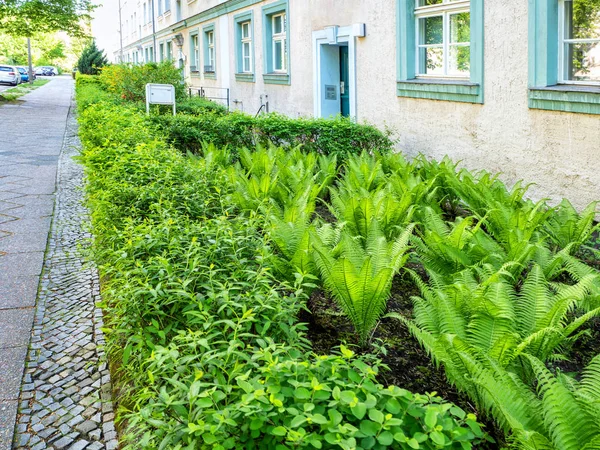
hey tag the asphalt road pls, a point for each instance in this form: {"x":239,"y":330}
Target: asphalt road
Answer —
{"x":4,"y":87}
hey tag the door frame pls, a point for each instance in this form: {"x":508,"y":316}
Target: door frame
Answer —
{"x":334,"y":36}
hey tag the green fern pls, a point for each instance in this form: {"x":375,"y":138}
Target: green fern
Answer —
{"x":567,"y":228}
{"x":360,"y":277}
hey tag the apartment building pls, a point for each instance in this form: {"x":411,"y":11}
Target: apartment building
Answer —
{"x":509,"y":86}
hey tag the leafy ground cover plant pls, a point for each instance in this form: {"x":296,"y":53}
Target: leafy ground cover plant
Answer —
{"x":200,"y":325}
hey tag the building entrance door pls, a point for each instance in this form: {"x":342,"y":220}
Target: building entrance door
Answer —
{"x":344,"y":82}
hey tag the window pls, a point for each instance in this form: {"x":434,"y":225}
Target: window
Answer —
{"x":579,"y":42}
{"x":169,"y":51}
{"x":209,"y":51}
{"x":194,"y":54}
{"x":276,"y":43}
{"x":440,"y":49}
{"x":160,"y":7}
{"x":279,"y":52}
{"x":564,"y":55}
{"x":167,"y":6}
{"x":444,"y":37}
{"x":244,"y":49}
{"x":145,"y":14}
{"x":161,"y":51}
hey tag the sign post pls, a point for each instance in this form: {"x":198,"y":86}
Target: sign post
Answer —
{"x":160,"y":94}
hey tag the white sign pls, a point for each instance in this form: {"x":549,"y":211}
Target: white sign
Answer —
{"x":160,"y":94}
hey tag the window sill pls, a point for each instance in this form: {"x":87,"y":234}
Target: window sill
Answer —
{"x":210,"y":75}
{"x":195,"y":74}
{"x":441,"y":89}
{"x":276,"y":78}
{"x":245,"y":77}
{"x":567,"y":98}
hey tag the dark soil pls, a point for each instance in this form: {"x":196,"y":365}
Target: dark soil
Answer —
{"x":409,"y":365}
{"x":322,"y":211}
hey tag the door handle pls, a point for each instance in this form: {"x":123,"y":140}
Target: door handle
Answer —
{"x":342,"y":87}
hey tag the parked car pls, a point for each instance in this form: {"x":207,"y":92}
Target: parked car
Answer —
{"x":46,"y":71}
{"x":24,"y":71}
{"x":10,"y":75}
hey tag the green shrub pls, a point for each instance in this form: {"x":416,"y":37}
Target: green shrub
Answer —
{"x":196,"y":106}
{"x":90,"y":91}
{"x":129,"y":81}
{"x":201,"y":325}
{"x":187,"y":133}
{"x":340,"y":136}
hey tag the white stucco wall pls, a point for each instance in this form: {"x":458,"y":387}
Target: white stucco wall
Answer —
{"x":557,"y":151}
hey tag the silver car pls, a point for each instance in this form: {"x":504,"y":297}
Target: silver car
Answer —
{"x":10,"y":75}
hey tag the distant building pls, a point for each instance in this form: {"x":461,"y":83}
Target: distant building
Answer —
{"x":510,"y":87}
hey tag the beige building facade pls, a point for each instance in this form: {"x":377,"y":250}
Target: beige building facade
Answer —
{"x":510,"y":86}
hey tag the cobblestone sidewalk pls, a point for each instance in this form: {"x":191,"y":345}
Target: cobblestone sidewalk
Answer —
{"x":65,"y":397}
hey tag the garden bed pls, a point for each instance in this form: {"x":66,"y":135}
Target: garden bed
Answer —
{"x":236,"y":271}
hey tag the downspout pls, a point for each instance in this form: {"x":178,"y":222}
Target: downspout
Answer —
{"x":153,"y":34}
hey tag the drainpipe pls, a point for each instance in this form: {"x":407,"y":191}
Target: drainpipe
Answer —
{"x":120,"y":33}
{"x":153,"y":34}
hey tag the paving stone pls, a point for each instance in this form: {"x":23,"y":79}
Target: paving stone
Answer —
{"x":12,"y":364}
{"x":87,"y":426}
{"x":95,"y":435}
{"x":79,"y":445}
{"x":15,"y":326}
{"x":20,"y":265}
{"x":8,"y":414}
{"x":18,"y":292}
{"x":23,"y":440}
{"x":63,"y":442}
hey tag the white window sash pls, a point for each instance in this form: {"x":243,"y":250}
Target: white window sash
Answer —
{"x":562,"y":43}
{"x":280,"y":37}
{"x":445,"y":10}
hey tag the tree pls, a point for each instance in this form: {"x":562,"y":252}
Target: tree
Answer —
{"x":91,"y":60}
{"x":27,"y":17}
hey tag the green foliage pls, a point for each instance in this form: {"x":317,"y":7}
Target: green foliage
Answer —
{"x":92,"y":60}
{"x":359,"y":274}
{"x":503,"y":299}
{"x":212,"y":353}
{"x":27,"y":17}
{"x":340,"y":137}
{"x":197,"y":106}
{"x":89,"y":92}
{"x":128,"y":81}
{"x":275,"y":400}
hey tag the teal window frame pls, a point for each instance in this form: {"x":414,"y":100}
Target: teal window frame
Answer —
{"x":268,"y":11}
{"x":194,"y":53}
{"x":545,"y":92}
{"x":447,"y":89}
{"x":238,"y":20}
{"x":210,"y":28}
